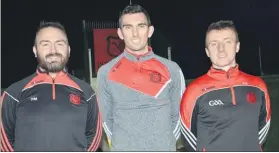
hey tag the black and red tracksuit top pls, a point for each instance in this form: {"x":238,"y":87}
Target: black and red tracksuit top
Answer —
{"x":225,"y":111}
{"x":44,"y":114}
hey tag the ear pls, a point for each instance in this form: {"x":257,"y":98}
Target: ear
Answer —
{"x":69,"y":50}
{"x":207,"y":52}
{"x":150,"y":31}
{"x":119,"y":32}
{"x":35,"y":51}
{"x":237,"y":47}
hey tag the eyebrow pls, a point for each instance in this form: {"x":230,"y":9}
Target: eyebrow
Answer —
{"x":43,"y":41}
{"x":142,"y":24}
{"x":124,"y":25}
{"x":212,"y":41}
{"x":61,"y":40}
{"x":227,"y":38}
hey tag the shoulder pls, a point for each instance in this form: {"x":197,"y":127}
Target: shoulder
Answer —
{"x":254,"y":80}
{"x":172,"y":67}
{"x":193,"y":91}
{"x":198,"y":84}
{"x":168,"y":63}
{"x":16,"y":88}
{"x":197,"y":88}
{"x":251,"y":78}
{"x":104,"y":69}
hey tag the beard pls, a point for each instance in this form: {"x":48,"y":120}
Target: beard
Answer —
{"x":53,"y":66}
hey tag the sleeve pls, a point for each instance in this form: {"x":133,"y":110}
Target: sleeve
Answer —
{"x":265,"y":116}
{"x":93,"y":125}
{"x":8,"y":115}
{"x":188,"y":116}
{"x":104,"y":99}
{"x":177,"y":91}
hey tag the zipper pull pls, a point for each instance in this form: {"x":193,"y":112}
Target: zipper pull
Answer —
{"x":53,"y":89}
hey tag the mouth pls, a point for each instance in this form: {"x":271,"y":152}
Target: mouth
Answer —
{"x":53,"y":59}
{"x":222,"y":55}
{"x":136,"y":41}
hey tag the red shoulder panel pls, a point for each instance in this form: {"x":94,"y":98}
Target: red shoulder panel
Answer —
{"x":148,"y":77}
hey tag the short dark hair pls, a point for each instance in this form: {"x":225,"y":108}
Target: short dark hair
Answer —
{"x":133,"y":9}
{"x":221,"y":25}
{"x":44,"y":24}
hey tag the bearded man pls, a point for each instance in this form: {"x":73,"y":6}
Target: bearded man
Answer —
{"x":50,"y":110}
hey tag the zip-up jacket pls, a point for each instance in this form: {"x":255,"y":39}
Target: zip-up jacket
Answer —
{"x":225,"y":111}
{"x":139,"y":98}
{"x":44,"y":114}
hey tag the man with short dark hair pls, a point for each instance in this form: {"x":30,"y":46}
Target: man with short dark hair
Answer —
{"x":50,"y":110}
{"x":225,"y":109}
{"x":139,"y":92}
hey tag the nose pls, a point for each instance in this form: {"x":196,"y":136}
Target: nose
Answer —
{"x":221,"y":47}
{"x":135,"y":32}
{"x":52,"y":48}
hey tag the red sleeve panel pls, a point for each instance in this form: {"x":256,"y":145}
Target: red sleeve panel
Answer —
{"x":189,"y":113}
{"x":8,"y":104}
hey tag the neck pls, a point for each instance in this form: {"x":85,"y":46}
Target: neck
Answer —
{"x":53,"y":75}
{"x":224,"y":68}
{"x":140,"y":52}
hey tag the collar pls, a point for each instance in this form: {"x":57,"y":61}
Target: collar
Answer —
{"x":223,"y":75}
{"x":139,"y":58}
{"x":40,"y":71}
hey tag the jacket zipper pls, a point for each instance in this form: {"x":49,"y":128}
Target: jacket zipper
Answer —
{"x":138,"y":63}
{"x":53,"y":89}
{"x":232,"y":91}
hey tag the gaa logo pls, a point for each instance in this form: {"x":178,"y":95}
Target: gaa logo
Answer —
{"x":215,"y":102}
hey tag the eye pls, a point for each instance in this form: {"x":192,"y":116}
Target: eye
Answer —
{"x":228,"y":41}
{"x":128,"y":27}
{"x":142,"y":26}
{"x":61,"y":44}
{"x":45,"y":44}
{"x":214,"y":44}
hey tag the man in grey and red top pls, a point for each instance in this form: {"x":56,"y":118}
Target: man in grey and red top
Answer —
{"x":225,"y":109}
{"x":50,"y":110}
{"x":140,"y":92}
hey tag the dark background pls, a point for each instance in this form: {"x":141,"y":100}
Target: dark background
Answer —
{"x":182,"y":24}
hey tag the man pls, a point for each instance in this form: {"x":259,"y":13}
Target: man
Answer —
{"x":50,"y":110}
{"x":225,"y":109}
{"x":139,"y":92}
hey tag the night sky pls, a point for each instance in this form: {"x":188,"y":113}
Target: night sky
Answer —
{"x":182,"y":25}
